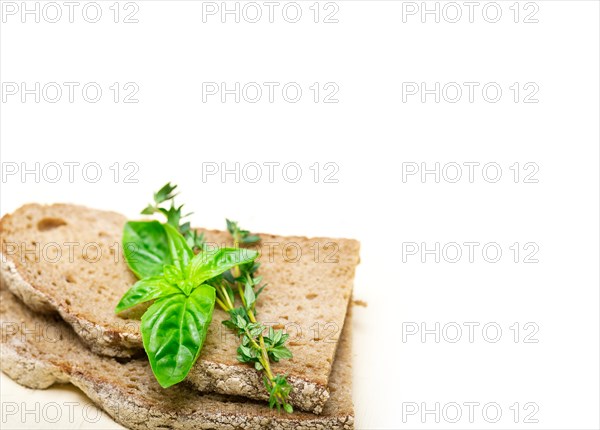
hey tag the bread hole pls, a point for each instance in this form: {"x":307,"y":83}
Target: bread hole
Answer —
{"x":68,"y":302}
{"x":70,"y":279}
{"x":103,"y":234}
{"x":298,"y":308}
{"x":50,"y":224}
{"x":311,"y":296}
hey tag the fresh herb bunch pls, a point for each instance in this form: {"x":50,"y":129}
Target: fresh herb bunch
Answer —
{"x":174,"y":327}
{"x":185,"y":280}
{"x":174,"y":215}
{"x":256,"y":348}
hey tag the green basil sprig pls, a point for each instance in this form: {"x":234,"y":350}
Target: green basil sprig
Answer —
{"x":174,"y":327}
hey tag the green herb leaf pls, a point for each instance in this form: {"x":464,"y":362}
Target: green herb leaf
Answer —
{"x":239,"y":235}
{"x":279,"y":389}
{"x":194,"y":240}
{"x":209,"y":264}
{"x":165,"y":193}
{"x":229,"y":324}
{"x":181,"y":253}
{"x":245,"y":354}
{"x":149,"y":210}
{"x":173,"y":274}
{"x":279,"y":352}
{"x":256,"y":329}
{"x":260,"y":290}
{"x":173,"y":331}
{"x":241,"y":322}
{"x":249,"y":296}
{"x":174,"y":215}
{"x":145,"y":290}
{"x":252,"y":238}
{"x":146,"y":248}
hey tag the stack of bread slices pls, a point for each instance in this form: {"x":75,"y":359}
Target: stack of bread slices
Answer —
{"x":63,"y":273}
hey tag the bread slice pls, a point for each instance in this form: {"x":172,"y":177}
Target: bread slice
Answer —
{"x":67,"y":259}
{"x":39,"y":350}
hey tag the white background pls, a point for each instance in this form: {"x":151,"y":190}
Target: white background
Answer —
{"x":368,"y":134}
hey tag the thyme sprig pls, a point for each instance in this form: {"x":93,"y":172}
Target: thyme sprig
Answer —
{"x":174,"y":215}
{"x":256,"y":347}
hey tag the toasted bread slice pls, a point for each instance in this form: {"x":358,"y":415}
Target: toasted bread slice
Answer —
{"x":68,"y":259}
{"x":39,"y":350}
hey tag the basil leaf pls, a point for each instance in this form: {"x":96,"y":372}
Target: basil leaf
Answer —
{"x":181,"y":253}
{"x":173,"y":274}
{"x":173,"y":331}
{"x":209,"y":264}
{"x":145,"y":290}
{"x":146,"y":248}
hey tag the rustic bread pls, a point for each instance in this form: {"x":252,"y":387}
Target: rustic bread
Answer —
{"x":39,"y":350}
{"x":67,"y":259}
